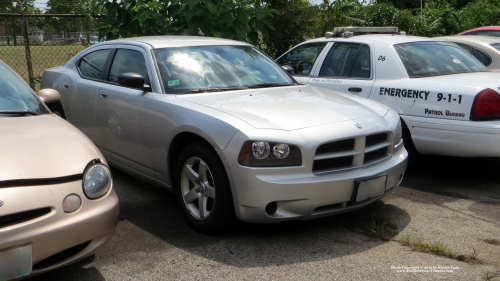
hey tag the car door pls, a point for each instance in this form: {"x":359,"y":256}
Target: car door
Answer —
{"x":347,"y":67}
{"x":121,"y":118}
{"x":83,"y":88}
{"x":302,"y":59}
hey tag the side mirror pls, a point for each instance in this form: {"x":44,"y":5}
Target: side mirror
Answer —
{"x":49,"y":96}
{"x":288,"y":69}
{"x":131,"y":80}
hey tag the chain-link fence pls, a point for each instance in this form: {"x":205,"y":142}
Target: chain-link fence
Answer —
{"x":52,"y":42}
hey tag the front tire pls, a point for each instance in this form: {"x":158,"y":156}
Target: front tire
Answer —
{"x":202,"y":189}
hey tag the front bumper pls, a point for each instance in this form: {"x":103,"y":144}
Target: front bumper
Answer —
{"x":300,"y":194}
{"x":91,"y":226}
{"x":462,"y":138}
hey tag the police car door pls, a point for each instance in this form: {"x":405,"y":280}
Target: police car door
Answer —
{"x":346,"y":68}
{"x":302,"y":59}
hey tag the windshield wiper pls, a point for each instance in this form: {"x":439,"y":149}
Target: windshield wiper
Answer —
{"x":206,"y":90}
{"x":19,"y":112}
{"x":266,"y":85}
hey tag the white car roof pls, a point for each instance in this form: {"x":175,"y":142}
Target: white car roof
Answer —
{"x":471,"y":38}
{"x":177,"y":41}
{"x":388,"y":39}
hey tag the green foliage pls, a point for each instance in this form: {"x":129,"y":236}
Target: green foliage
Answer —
{"x":232,"y":19}
{"x":479,"y":13}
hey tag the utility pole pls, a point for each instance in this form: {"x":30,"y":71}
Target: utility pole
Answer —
{"x":27,"y":47}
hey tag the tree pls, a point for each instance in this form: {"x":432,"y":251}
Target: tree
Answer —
{"x":67,"y":25}
{"x":232,"y":19}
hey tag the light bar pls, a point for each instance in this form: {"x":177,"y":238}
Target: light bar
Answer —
{"x":369,"y":29}
{"x":352,"y":30}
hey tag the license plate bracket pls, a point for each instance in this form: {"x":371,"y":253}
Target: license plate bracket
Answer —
{"x":368,"y":188}
{"x":15,"y":262}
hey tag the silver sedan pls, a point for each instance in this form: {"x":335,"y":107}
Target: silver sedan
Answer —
{"x":227,"y":130}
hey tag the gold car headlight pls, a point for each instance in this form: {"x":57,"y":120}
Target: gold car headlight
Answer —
{"x":96,"y":181}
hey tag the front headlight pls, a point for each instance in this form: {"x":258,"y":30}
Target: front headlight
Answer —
{"x":398,"y":133}
{"x":96,"y":181}
{"x":258,"y":154}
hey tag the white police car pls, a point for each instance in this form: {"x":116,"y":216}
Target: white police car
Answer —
{"x":448,"y":100}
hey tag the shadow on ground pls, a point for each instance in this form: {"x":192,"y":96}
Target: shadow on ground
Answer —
{"x":156,"y":211}
{"x":475,"y":179}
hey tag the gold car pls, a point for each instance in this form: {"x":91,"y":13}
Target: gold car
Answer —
{"x":57,"y":202}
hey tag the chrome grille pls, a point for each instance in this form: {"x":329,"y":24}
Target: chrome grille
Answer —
{"x":352,"y":153}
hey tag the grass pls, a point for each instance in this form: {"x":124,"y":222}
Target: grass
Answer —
{"x":437,"y":248}
{"x":383,"y":230}
{"x":42,"y":57}
{"x":492,"y":241}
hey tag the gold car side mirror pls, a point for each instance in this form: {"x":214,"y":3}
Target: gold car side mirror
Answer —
{"x":49,"y":96}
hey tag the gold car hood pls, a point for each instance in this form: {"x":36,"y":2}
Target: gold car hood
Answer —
{"x":43,"y":146}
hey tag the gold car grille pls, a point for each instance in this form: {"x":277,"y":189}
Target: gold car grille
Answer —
{"x":352,"y":153}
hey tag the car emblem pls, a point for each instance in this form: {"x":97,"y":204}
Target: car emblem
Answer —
{"x":1,"y":203}
{"x":358,"y":126}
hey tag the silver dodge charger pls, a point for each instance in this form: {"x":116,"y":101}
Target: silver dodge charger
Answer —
{"x":228,"y":131}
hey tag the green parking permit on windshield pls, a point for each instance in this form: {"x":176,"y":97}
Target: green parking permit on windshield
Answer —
{"x":173,"y":83}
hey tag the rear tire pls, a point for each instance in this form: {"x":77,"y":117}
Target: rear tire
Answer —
{"x":202,"y":189}
{"x":57,"y":109}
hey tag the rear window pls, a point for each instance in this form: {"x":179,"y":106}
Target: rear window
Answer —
{"x":496,"y":46}
{"x":425,"y":59}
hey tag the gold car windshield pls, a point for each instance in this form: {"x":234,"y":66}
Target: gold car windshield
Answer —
{"x":425,"y":59}
{"x":15,"y":96}
{"x":217,"y":68}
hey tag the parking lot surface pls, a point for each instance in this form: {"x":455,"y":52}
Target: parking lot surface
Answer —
{"x":442,"y":223}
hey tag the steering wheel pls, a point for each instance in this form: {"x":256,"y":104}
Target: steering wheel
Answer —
{"x":301,"y":64}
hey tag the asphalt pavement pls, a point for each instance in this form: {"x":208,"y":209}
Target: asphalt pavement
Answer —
{"x":451,"y":202}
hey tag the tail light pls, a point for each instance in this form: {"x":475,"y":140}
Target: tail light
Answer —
{"x":486,"y":106}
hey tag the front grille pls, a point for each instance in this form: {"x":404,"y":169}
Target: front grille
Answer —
{"x":332,"y":163}
{"x":336,"y":146}
{"x":375,"y":155}
{"x":376,"y":139}
{"x":350,"y":153}
{"x":21,"y":217}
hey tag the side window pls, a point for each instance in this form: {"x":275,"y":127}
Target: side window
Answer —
{"x":489,"y":33}
{"x":482,"y":57}
{"x":347,"y":60}
{"x":128,"y":61}
{"x":92,"y":65}
{"x":361,"y":67}
{"x":466,"y":48}
{"x":302,"y":58}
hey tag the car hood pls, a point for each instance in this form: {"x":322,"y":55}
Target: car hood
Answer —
{"x":288,"y":107}
{"x":475,"y":79}
{"x":43,"y":146}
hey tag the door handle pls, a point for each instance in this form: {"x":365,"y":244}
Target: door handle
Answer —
{"x":356,"y":90}
{"x":103,"y":94}
{"x":66,"y":85}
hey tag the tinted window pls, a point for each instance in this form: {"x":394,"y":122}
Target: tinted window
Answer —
{"x":496,"y":46}
{"x":16,"y":95}
{"x":488,"y":33}
{"x":92,"y":65}
{"x":466,"y":48}
{"x":215,"y":68}
{"x":302,"y":58}
{"x":128,"y":61}
{"x":424,"y":59}
{"x":347,"y":60}
{"x":482,"y":57}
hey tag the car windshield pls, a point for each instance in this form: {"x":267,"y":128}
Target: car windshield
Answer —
{"x":15,"y":96}
{"x":496,"y":46}
{"x":217,"y":68}
{"x":425,"y":59}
